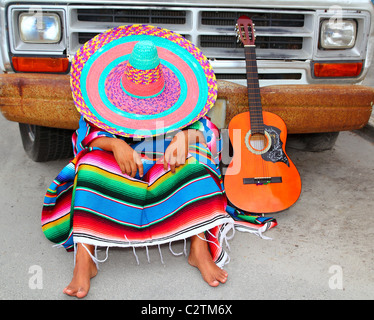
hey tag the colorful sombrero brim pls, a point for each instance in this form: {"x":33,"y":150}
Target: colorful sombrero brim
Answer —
{"x":97,"y":68}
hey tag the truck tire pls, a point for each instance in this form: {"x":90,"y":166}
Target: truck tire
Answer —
{"x":43,"y":144}
{"x":313,"y":142}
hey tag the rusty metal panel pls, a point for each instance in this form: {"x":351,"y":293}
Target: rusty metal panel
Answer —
{"x":306,"y":108}
{"x":40,"y":99}
{"x":46,"y":100}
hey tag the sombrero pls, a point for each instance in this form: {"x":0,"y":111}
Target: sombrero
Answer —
{"x":141,"y":80}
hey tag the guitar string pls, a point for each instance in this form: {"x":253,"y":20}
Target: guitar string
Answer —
{"x":256,"y":108}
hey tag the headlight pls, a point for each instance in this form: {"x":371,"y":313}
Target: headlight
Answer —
{"x":338,"y":34}
{"x":43,"y":28}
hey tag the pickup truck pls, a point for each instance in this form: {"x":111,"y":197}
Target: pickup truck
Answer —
{"x":315,"y":61}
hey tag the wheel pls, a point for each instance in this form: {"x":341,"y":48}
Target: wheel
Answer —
{"x":314,"y":142}
{"x":45,"y":144}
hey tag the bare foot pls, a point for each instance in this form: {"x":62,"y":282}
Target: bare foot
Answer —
{"x":85,"y":269}
{"x":201,"y":258}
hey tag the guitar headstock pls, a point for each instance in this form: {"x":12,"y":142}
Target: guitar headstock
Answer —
{"x":245,"y":31}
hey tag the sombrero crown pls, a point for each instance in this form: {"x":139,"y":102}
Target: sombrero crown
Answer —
{"x":140,"y":81}
{"x":143,"y":77}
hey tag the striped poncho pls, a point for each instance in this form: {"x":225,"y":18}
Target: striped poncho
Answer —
{"x":91,"y":201}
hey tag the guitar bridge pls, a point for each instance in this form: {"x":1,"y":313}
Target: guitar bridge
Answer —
{"x":262,"y":180}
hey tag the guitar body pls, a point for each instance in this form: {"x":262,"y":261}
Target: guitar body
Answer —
{"x":261,"y":178}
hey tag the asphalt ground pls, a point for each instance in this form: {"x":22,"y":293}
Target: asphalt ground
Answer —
{"x":322,"y":247}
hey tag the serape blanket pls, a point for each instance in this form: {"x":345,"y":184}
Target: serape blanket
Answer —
{"x":91,"y":201}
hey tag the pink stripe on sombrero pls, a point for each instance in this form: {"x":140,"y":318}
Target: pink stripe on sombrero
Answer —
{"x":143,"y":90}
{"x":98,"y":67}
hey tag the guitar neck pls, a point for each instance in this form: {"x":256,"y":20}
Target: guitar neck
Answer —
{"x":254,"y":95}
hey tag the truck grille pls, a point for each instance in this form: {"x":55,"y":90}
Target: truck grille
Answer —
{"x":83,"y":37}
{"x":280,"y":34}
{"x":263,"y":19}
{"x":284,"y":43}
{"x":130,"y":16}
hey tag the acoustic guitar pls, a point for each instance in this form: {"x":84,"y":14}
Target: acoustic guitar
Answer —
{"x":260,"y":178}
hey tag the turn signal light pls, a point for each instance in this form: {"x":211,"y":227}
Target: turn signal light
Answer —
{"x":32,"y":64}
{"x":336,"y":70}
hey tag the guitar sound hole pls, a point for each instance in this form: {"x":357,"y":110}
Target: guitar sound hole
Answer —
{"x":258,"y":143}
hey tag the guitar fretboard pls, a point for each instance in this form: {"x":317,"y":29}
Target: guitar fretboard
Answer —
{"x":254,"y":95}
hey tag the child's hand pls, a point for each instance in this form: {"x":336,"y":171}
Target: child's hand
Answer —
{"x":127,"y":158}
{"x":177,"y":151}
